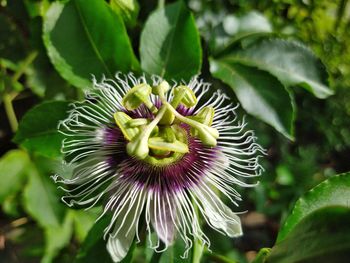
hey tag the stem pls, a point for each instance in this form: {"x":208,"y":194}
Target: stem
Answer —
{"x":161,"y":3}
{"x":190,"y":122}
{"x":340,"y":13}
{"x":23,"y":66}
{"x":150,"y":106}
{"x":10,"y":112}
{"x":197,"y":245}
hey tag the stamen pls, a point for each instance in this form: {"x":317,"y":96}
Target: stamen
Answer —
{"x":138,"y":146}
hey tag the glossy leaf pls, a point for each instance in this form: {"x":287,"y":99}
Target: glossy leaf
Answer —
{"x":291,"y":62}
{"x":330,"y":192}
{"x":322,"y":236}
{"x":170,"y":43}
{"x":13,"y":172}
{"x":260,"y":94}
{"x":87,"y":39}
{"x":37,"y":130}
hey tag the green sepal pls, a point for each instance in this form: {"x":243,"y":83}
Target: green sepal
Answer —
{"x":122,"y":120}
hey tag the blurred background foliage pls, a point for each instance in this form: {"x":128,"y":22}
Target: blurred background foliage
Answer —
{"x":35,"y":226}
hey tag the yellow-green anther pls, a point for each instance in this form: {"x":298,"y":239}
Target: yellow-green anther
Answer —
{"x":204,"y":116}
{"x":206,"y":134}
{"x":183,"y":95}
{"x":137,"y":122}
{"x":122,"y":120}
{"x":167,"y":119}
{"x":138,"y":146}
{"x":159,"y":143}
{"x":161,"y":89}
{"x":138,"y":95}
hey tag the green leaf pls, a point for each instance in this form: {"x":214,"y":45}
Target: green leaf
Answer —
{"x":260,"y":94}
{"x":322,"y":236}
{"x":42,"y":201}
{"x":173,"y":254}
{"x":41,"y":76}
{"x":94,"y":245}
{"x":333,"y":191}
{"x":13,"y":173}
{"x":87,"y":39}
{"x":57,"y":237}
{"x":37,"y":130}
{"x":262,"y":255}
{"x":84,"y":220}
{"x":291,"y":62}
{"x":170,"y":43}
{"x":235,"y":28}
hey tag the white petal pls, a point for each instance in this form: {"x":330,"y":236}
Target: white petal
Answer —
{"x":162,"y":217}
{"x":219,"y":215}
{"x":125,"y":225}
{"x":119,"y":245}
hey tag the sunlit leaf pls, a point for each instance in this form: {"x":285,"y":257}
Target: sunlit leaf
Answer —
{"x":170,"y":43}
{"x":333,"y":191}
{"x":291,"y":62}
{"x":260,"y":93}
{"x":87,"y":39}
{"x":322,"y":236}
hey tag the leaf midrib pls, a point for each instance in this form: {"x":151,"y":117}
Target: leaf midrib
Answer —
{"x":282,"y":128}
{"x":90,"y":38}
{"x":166,"y":61}
{"x":265,"y":66}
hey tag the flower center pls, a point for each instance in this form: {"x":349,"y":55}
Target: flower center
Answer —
{"x":162,"y":140}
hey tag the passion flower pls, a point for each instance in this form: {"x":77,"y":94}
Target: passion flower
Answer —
{"x":166,"y":152}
